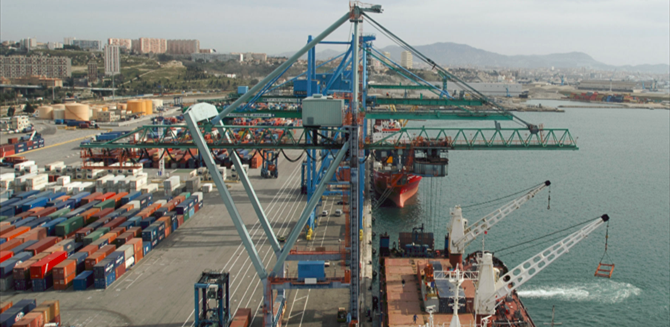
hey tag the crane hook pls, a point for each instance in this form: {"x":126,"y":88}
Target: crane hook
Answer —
{"x":549,"y":199}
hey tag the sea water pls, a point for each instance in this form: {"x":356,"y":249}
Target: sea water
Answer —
{"x":622,"y":168}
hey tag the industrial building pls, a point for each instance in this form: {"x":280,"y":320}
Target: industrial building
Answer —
{"x":149,"y":45}
{"x":90,"y":45}
{"x":217,"y":56}
{"x":605,"y":85}
{"x":20,"y":66}
{"x":38,"y":80}
{"x":14,"y":123}
{"x":122,"y":43}
{"x":183,"y":46}
{"x":406,"y":59}
{"x":488,"y":89}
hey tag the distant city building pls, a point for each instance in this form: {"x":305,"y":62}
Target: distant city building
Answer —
{"x":92,"y":71}
{"x":68,"y":40}
{"x":488,"y":89}
{"x":29,"y":43}
{"x":54,"y":45}
{"x":20,"y":66}
{"x":406,"y":59}
{"x":183,"y":46}
{"x":38,"y":80}
{"x":149,"y":45}
{"x":122,"y":43}
{"x":605,"y":85}
{"x":217,"y":56}
{"x":387,"y":55}
{"x":206,"y":51}
{"x":90,"y":45}
{"x":112,"y":60}
{"x":7,"y":43}
{"x":248,"y":56}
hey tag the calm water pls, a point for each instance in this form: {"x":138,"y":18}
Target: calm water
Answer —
{"x":622,"y":168}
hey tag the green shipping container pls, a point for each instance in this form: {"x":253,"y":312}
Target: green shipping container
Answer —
{"x":106,"y":204}
{"x":59,"y":213}
{"x":186,"y":195}
{"x":88,"y":239}
{"x":69,"y":226}
{"x":2,"y":218}
{"x":186,"y":216}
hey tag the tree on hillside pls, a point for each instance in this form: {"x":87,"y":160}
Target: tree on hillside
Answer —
{"x":29,"y":109}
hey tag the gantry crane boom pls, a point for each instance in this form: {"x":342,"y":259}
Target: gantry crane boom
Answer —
{"x":489,"y":290}
{"x":460,"y":234}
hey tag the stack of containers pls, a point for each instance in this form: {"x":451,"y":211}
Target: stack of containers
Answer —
{"x":170,"y":185}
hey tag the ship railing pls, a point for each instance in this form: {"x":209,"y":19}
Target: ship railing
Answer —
{"x":467,"y":275}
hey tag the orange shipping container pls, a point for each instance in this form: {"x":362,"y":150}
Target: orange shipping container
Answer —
{"x":4,"y":305}
{"x":6,"y":229}
{"x":63,"y":283}
{"x":136,"y":230}
{"x":15,"y":233}
{"x":110,"y":236}
{"x":64,"y":269}
{"x":35,"y":234}
{"x":93,"y":259}
{"x":168,"y":225}
{"x":32,"y":319}
{"x":137,"y":244}
{"x":11,"y":244}
{"x":90,"y":249}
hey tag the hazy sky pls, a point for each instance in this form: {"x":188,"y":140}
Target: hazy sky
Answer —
{"x":616,"y":32}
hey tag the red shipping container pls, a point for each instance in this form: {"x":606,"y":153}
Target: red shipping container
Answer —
{"x":64,"y":282}
{"x":11,"y":244}
{"x":115,"y":223}
{"x":42,"y":245}
{"x":88,"y":215}
{"x":93,"y":259}
{"x":196,"y":207}
{"x":64,"y":197}
{"x":168,"y":224}
{"x":118,"y":231}
{"x":107,"y":249}
{"x":39,"y":269}
{"x":136,"y":230}
{"x":117,"y":198}
{"x":110,"y":237}
{"x":90,"y":198}
{"x":89,"y":249}
{"x":106,"y":196}
{"x":100,"y":214}
{"x":45,"y":212}
{"x":32,"y":319}
{"x":4,"y":255}
{"x":6,"y":229}
{"x":15,"y":233}
{"x":37,"y":233}
{"x":120,"y":270}
{"x":64,"y":269}
{"x":34,"y":210}
{"x":5,"y":305}
{"x":180,"y":220}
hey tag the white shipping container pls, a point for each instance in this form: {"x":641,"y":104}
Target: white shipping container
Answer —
{"x":130,"y":262}
{"x":94,"y":173}
{"x":37,"y":180}
{"x":135,"y":203}
{"x":149,"y":188}
{"x":197,"y":195}
{"x":6,"y":184}
{"x":63,"y":180}
{"x":111,"y":170}
{"x":137,"y":182}
{"x":7,"y":177}
{"x":102,"y":181}
{"x":80,"y":175}
{"x":54,"y":188}
{"x":127,"y":249}
{"x":161,"y":202}
{"x":35,"y":187}
{"x":20,"y":166}
{"x":206,"y":188}
{"x":83,"y":187}
{"x":52,"y":166}
{"x":70,"y":187}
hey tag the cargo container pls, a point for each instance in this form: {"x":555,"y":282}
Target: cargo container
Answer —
{"x":83,"y":281}
{"x":90,"y":197}
{"x":69,"y":226}
{"x":6,"y":267}
{"x":41,"y":245}
{"x":51,"y":225}
{"x":21,"y":308}
{"x":93,"y":236}
{"x":64,"y":269}
{"x":103,"y":283}
{"x":14,"y":233}
{"x":311,"y":269}
{"x":131,"y":196}
{"x":41,"y":268}
{"x":18,"y":248}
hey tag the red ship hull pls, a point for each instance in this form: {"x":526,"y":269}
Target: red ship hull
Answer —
{"x":404,"y":190}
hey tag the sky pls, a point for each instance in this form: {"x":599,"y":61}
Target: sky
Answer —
{"x":615,"y":32}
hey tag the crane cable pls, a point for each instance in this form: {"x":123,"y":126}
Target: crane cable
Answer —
{"x":545,"y":236}
{"x":607,"y":235}
{"x":502,"y":198}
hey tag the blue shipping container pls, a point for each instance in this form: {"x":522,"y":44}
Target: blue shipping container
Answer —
{"x":83,"y":281}
{"x":311,"y":269}
{"x":103,"y":283}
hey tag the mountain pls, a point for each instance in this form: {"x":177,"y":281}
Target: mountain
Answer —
{"x":463,"y":55}
{"x":454,"y":54}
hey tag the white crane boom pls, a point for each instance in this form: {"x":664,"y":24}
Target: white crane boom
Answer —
{"x":460,"y":235}
{"x":522,"y":273}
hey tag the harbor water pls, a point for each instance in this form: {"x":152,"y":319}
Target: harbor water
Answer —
{"x":622,"y":168}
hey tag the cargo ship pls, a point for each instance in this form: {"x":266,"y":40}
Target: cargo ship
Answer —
{"x":390,"y":180}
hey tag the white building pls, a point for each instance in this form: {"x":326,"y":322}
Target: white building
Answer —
{"x":29,"y":43}
{"x":68,"y":40}
{"x":406,"y":59}
{"x":112,"y":60}
{"x":122,"y":43}
{"x":54,"y":45}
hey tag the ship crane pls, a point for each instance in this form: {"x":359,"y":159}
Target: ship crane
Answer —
{"x":460,"y":234}
{"x":490,"y":290}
